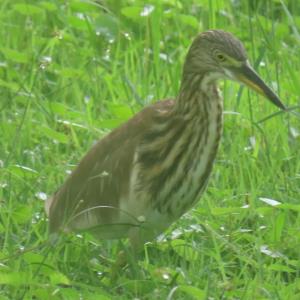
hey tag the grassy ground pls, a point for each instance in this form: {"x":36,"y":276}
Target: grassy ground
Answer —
{"x":70,"y":71}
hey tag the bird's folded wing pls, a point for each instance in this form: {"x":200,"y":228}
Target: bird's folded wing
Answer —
{"x":92,"y":194}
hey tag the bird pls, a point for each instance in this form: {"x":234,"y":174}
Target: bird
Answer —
{"x":144,"y":175}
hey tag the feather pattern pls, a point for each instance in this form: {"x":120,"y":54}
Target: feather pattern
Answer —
{"x":145,"y":174}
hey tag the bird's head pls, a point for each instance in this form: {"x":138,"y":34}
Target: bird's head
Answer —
{"x":219,"y":53}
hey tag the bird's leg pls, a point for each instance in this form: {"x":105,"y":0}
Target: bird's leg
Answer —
{"x":120,"y":262}
{"x":128,"y":255}
{"x":138,"y":236}
{"x":136,"y":246}
{"x":118,"y":265}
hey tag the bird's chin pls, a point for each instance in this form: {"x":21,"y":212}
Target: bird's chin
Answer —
{"x":229,"y":75}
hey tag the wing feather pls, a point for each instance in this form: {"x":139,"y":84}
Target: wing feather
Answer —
{"x":90,"y":197}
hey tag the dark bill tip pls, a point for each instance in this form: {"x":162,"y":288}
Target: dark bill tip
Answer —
{"x":249,"y":77}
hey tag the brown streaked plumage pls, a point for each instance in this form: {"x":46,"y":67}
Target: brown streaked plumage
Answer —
{"x":145,"y":174}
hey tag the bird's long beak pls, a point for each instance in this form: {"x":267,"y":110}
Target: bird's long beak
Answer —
{"x":249,"y":77}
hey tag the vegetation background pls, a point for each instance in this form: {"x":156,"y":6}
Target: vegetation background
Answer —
{"x":70,"y":71}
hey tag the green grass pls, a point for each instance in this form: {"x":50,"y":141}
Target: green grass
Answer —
{"x":70,"y":71}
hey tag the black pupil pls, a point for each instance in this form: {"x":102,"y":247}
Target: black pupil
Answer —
{"x":220,"y":56}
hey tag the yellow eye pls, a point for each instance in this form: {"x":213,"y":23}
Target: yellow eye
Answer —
{"x":220,"y":57}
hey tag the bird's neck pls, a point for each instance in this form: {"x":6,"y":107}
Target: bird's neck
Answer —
{"x":179,"y":150}
{"x":198,"y":93}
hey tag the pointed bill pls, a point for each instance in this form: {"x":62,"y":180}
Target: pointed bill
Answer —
{"x":250,"y":78}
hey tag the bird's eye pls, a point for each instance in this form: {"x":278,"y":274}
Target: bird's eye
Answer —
{"x":220,"y":57}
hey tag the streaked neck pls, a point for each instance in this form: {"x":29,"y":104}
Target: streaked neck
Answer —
{"x":196,"y":93}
